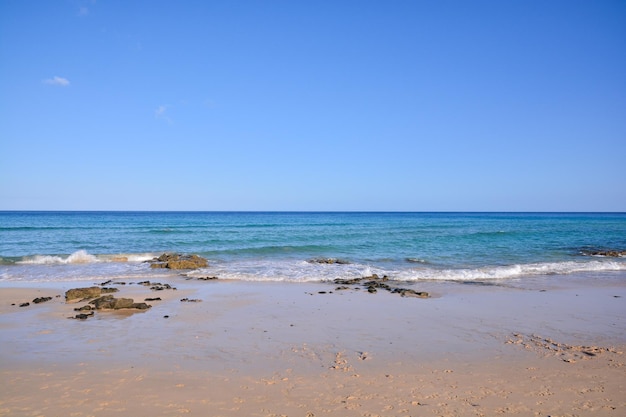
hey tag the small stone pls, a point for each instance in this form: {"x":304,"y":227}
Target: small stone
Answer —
{"x":190,"y":300}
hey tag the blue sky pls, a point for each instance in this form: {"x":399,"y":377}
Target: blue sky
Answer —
{"x":325,"y":105}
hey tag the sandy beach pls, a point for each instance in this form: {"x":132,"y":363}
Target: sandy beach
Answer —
{"x":552,"y":346}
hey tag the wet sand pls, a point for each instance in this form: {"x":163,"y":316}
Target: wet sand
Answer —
{"x":552,"y":346}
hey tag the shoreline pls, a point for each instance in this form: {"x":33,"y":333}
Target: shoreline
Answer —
{"x":298,"y":349}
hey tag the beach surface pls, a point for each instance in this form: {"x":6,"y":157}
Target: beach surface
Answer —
{"x":550,"y":346}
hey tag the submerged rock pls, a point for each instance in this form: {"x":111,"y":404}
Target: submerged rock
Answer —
{"x":607,"y":253}
{"x":328,"y":261}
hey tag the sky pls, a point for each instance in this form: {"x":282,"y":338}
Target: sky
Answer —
{"x":313,"y":105}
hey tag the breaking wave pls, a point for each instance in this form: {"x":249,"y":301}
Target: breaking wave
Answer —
{"x":82,"y":257}
{"x":78,"y":257}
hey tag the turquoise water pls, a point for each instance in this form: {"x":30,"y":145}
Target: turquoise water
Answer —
{"x":67,"y":246}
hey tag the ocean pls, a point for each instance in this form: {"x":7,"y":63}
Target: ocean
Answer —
{"x":297,"y":246}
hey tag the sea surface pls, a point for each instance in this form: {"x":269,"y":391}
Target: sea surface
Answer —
{"x":290,"y":246}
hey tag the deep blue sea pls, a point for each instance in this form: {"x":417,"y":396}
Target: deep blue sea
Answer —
{"x":284,"y":246}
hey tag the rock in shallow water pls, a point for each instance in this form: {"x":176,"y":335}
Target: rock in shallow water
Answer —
{"x":178,"y":261}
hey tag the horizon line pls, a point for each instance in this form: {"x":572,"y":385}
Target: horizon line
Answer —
{"x":303,"y":211}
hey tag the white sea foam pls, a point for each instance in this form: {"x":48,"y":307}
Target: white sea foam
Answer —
{"x":510,"y":271}
{"x":285,"y":271}
{"x":300,"y":271}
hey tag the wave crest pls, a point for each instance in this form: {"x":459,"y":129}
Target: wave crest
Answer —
{"x":78,"y":257}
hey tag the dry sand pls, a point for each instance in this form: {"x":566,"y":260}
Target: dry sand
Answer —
{"x":552,"y":347}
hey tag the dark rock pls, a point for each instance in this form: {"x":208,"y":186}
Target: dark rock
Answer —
{"x":207,"y":278}
{"x":607,"y":253}
{"x":84,"y":308}
{"x":87,"y":293}
{"x":178,"y":261}
{"x":41,"y":299}
{"x":161,"y":287}
{"x":153,"y":299}
{"x":108,"y":302}
{"x":407,"y":292}
{"x":377,"y":284}
{"x":328,"y":261}
{"x":377,"y":278}
{"x":83,"y":316}
{"x":351,"y":281}
{"x":24,"y":304}
{"x":373,"y":283}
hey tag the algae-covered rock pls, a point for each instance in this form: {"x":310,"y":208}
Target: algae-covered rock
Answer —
{"x":178,"y":261}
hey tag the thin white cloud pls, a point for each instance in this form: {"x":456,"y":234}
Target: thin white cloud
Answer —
{"x":84,"y":7}
{"x":63,"y":82}
{"x":160,"y":113}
